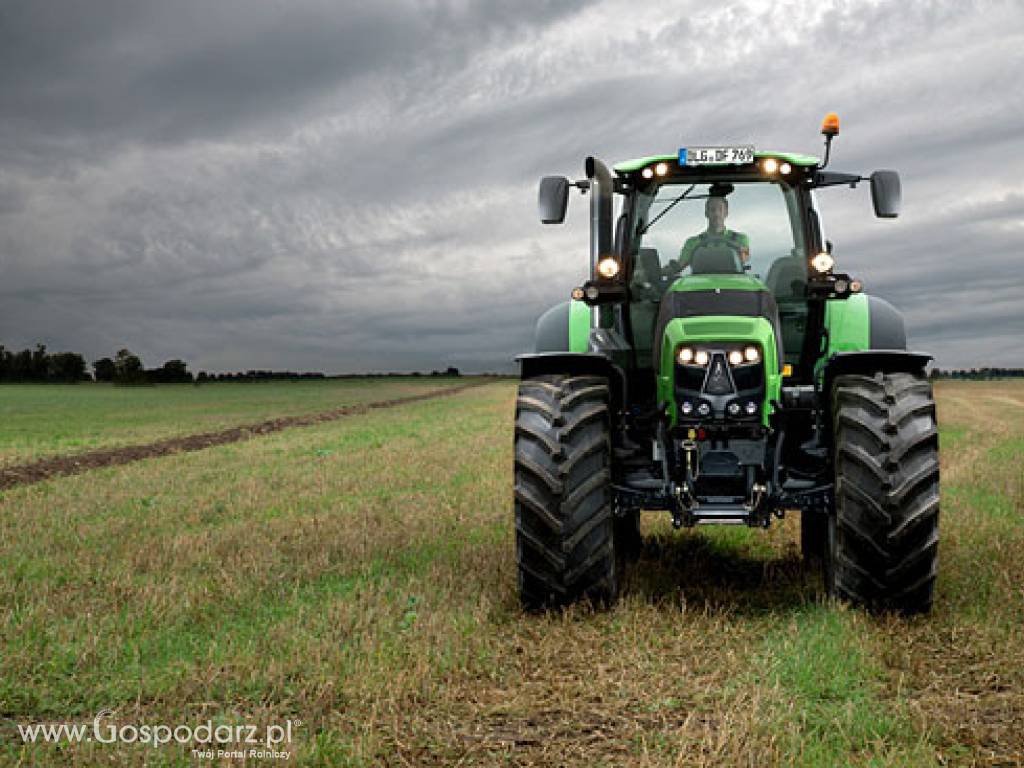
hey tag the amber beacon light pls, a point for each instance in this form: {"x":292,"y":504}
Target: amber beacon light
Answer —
{"x":830,"y":125}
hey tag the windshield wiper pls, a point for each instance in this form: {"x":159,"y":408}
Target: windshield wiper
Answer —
{"x":668,"y":208}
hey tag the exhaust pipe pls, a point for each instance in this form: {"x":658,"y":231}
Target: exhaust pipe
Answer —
{"x":600,"y":211}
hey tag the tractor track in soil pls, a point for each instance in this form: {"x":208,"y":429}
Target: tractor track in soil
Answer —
{"x":61,"y":466}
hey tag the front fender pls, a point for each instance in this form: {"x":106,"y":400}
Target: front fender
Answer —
{"x":871,"y":361}
{"x":563,"y":328}
{"x":860,"y":323}
{"x":866,"y":363}
{"x":577,"y":364}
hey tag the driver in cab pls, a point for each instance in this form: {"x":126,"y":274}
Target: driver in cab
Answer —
{"x":716,"y":250}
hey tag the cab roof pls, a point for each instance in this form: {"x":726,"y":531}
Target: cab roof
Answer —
{"x":628,"y":166}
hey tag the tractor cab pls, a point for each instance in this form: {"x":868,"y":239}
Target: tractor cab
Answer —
{"x":686,"y":233}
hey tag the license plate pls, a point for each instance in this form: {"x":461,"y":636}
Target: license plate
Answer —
{"x":716,"y":155}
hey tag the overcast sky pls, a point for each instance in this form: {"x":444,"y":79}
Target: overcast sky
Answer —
{"x":312,"y":186}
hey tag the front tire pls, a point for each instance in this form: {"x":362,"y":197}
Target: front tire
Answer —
{"x":565,"y":537}
{"x":883,"y":538}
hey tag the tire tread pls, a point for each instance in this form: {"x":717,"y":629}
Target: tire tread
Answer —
{"x":565,"y":543}
{"x":887,"y":492}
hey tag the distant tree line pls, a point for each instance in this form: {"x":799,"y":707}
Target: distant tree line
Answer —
{"x":451,"y":371}
{"x":977,"y":373}
{"x":38,"y":365}
{"x":254,"y":375}
{"x":203,"y":377}
{"x":127,"y":368}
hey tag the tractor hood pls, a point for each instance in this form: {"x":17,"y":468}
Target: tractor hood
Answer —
{"x":721,"y":297}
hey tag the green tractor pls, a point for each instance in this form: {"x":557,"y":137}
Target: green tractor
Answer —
{"x":717,"y":367}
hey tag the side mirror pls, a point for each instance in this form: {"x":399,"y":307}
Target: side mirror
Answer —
{"x":886,"y":194}
{"x":553,"y":199}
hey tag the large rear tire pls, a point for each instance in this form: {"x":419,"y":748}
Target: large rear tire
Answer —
{"x":565,"y":538}
{"x":883,"y":537}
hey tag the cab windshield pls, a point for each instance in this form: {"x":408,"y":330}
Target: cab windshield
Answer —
{"x":751,"y":228}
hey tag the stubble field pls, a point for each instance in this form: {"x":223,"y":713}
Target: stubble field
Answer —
{"x":356,"y":578}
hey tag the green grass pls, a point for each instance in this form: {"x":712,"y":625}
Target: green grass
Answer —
{"x":829,"y":682}
{"x":192,"y":562}
{"x":57,"y":419}
{"x":359,"y":576}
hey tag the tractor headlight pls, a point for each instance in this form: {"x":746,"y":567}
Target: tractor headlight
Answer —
{"x":735,"y":357}
{"x":661,"y":169}
{"x":770,"y":165}
{"x":685,"y":356}
{"x":823,"y":262}
{"x":647,"y":173}
{"x":701,"y":357}
{"x":752,"y":354}
{"x":608,"y":267}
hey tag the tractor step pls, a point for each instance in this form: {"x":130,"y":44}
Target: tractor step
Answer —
{"x":720,"y":515}
{"x":708,"y":512}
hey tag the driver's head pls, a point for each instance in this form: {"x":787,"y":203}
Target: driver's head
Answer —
{"x":716,"y":209}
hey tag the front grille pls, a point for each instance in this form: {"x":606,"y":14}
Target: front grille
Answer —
{"x":719,"y":392}
{"x":718,"y":381}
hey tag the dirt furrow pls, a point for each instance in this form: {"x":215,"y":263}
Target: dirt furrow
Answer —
{"x":57,"y":466}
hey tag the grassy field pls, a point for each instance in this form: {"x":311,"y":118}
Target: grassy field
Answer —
{"x":358,"y":577}
{"x":39,"y":421}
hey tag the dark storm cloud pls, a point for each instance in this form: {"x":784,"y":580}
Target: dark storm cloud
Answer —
{"x":122,"y":70}
{"x":309,"y":185}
